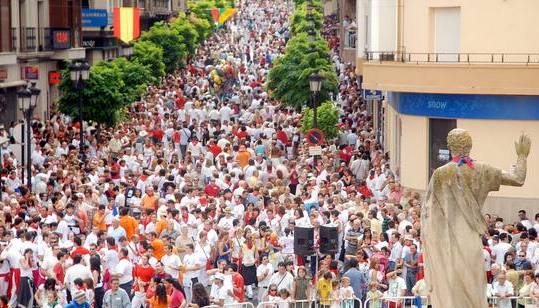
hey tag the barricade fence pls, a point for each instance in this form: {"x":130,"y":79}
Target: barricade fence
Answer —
{"x":315,"y":303}
{"x":379,"y":302}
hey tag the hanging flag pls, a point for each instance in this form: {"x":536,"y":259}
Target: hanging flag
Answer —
{"x":126,"y":23}
{"x":214,"y":14}
{"x":224,"y":16}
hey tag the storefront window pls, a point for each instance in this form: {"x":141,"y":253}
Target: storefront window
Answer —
{"x":438,"y":152}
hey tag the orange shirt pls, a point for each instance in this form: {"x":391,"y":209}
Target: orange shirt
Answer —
{"x":155,"y":304}
{"x":149,"y":202}
{"x":158,"y":248}
{"x":243,"y":158}
{"x":130,"y":226}
{"x":160,"y":226}
{"x":99,"y":221}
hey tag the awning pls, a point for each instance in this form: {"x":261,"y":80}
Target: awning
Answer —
{"x":11,"y":84}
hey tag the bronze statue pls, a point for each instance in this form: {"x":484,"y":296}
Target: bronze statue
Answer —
{"x":452,"y":222}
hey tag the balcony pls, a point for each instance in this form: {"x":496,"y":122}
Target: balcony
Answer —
{"x":452,"y":73}
{"x":28,"y":39}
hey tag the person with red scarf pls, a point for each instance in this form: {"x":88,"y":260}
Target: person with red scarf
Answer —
{"x":212,"y":189}
{"x":364,"y":190}
{"x":238,"y":285}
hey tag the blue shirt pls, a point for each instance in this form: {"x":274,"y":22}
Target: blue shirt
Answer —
{"x":74,"y":304}
{"x":358,"y":281}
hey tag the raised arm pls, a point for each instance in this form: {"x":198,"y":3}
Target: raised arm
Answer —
{"x":517,"y":176}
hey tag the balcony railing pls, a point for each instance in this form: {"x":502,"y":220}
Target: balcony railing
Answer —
{"x":28,"y":39}
{"x":464,"y":58}
{"x":45,"y":39}
{"x":160,"y":4}
{"x":14,"y":39}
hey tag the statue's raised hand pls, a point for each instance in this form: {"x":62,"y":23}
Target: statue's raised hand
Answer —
{"x":522,"y":146}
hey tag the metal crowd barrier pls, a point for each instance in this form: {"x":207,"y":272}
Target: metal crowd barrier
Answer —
{"x":495,"y":301}
{"x":239,"y":305}
{"x":330,"y":303}
{"x":395,"y":302}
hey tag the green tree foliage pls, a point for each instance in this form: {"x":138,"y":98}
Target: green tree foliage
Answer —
{"x":150,"y":55}
{"x":188,"y":32}
{"x":102,"y":101}
{"x":202,"y":9}
{"x":168,"y":39}
{"x":288,"y":79}
{"x":303,"y":19}
{"x":202,"y":27}
{"x":327,"y":119}
{"x":135,"y":77}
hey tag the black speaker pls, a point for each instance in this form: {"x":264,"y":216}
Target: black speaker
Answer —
{"x":303,"y":241}
{"x":329,"y":240}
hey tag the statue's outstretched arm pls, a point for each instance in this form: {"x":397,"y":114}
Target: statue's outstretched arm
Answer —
{"x":517,"y":176}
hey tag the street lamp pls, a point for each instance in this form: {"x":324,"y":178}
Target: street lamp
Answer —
{"x":79,"y":73}
{"x":27,"y":101}
{"x":315,"y":85}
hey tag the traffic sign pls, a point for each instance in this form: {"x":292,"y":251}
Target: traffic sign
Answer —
{"x":315,"y":137}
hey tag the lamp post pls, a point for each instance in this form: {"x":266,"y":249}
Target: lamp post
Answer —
{"x":79,"y":73}
{"x":315,"y":84}
{"x":27,"y":101}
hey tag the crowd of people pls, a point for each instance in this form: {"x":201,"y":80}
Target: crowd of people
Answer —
{"x":194,"y":200}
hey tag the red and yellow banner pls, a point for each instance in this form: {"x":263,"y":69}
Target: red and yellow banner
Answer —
{"x":224,"y":16}
{"x":126,"y":23}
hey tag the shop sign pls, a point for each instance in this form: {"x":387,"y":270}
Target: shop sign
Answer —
{"x":372,"y":94}
{"x":94,"y":18}
{"x":61,"y":39}
{"x":3,"y":74}
{"x":54,"y":77}
{"x":31,"y":72}
{"x":88,"y":43}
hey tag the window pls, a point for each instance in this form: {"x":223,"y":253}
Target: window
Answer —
{"x":447,"y":33}
{"x":438,"y":152}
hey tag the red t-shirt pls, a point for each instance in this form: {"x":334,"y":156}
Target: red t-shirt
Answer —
{"x":79,"y":251}
{"x":176,"y":299}
{"x":158,"y":134}
{"x":281,"y":136}
{"x":212,"y":190}
{"x":59,"y":271}
{"x":237,"y":281}
{"x":215,"y":150}
{"x":144,"y":273}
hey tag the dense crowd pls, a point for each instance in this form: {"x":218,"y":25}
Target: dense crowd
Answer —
{"x":194,"y":200}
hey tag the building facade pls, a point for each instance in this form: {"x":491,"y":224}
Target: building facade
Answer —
{"x":36,"y":37}
{"x":459,"y":64}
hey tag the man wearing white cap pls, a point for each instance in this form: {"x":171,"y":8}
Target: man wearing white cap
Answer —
{"x":223,"y":294}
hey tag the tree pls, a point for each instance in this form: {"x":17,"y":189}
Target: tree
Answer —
{"x":288,"y":79}
{"x":202,"y":27}
{"x":150,"y":55}
{"x":190,"y":35}
{"x":164,"y":36}
{"x":327,"y":119}
{"x":299,"y":22}
{"x":102,"y":101}
{"x":135,"y":77}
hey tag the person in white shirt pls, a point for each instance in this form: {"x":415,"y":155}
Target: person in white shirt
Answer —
{"x":264,"y":272}
{"x":396,"y":284}
{"x":77,"y":270}
{"x":124,"y":272}
{"x":171,"y":262}
{"x":501,"y":288}
{"x":116,"y":231}
{"x":282,"y":279}
{"x":192,"y":262}
{"x":499,"y":250}
{"x":223,"y":294}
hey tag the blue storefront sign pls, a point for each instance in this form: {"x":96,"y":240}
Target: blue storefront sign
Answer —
{"x":467,"y":106}
{"x":372,"y":94}
{"x":94,"y":18}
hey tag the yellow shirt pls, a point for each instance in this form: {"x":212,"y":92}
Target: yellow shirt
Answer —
{"x":324,"y":289}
